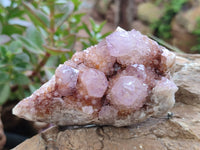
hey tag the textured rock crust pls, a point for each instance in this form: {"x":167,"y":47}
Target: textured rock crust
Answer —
{"x":121,"y":81}
{"x":181,"y":132}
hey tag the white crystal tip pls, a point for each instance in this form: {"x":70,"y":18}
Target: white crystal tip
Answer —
{"x":120,"y":29}
{"x":22,"y":112}
{"x":16,"y":111}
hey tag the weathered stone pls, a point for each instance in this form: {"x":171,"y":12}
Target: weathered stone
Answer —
{"x":179,"y":132}
{"x":187,"y":79}
{"x":188,"y":19}
{"x":149,"y":12}
{"x":143,"y":28}
{"x":102,"y":6}
{"x":181,"y":38}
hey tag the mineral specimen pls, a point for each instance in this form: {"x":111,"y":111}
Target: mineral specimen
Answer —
{"x":121,"y":81}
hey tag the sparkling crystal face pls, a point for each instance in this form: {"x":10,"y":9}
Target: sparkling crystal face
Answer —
{"x":66,"y":79}
{"x":95,"y":82}
{"x":120,"y":43}
{"x":129,"y":91}
{"x":121,"y":81}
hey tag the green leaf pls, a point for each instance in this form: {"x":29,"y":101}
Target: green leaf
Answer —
{"x":86,"y":29}
{"x":15,"y":47}
{"x":37,"y":16}
{"x":102,"y":25}
{"x":70,"y":54}
{"x":33,"y":58}
{"x":21,"y":62}
{"x":85,"y":45}
{"x":3,"y":51}
{"x":77,"y":3}
{"x":93,"y":41}
{"x":21,"y":79}
{"x":4,"y":77}
{"x":15,"y":12}
{"x":23,"y":57}
{"x":76,"y":18}
{"x":70,"y":40}
{"x":63,"y":58}
{"x":68,"y":9}
{"x":19,"y":22}
{"x":4,"y":93}
{"x":95,"y":27}
{"x":34,"y":87}
{"x":4,"y":39}
{"x":11,"y":29}
{"x":30,"y":46}
{"x":35,"y":36}
{"x":49,"y":73}
{"x":105,"y":35}
{"x":0,"y":27}
{"x":92,"y":23}
{"x":52,"y":61}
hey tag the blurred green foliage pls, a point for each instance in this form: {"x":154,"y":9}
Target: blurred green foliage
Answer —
{"x":36,"y":36}
{"x":197,"y":33}
{"x":94,"y":35}
{"x":162,"y":27}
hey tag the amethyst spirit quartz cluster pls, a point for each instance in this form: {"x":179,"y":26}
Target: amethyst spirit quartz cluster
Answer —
{"x":123,"y":80}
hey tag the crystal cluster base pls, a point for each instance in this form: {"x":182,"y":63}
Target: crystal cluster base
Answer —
{"x":121,"y":81}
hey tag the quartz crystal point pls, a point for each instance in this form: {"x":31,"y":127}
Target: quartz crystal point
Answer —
{"x":121,"y":81}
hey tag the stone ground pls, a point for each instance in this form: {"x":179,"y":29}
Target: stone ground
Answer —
{"x":181,"y":132}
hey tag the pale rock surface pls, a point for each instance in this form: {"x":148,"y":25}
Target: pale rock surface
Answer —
{"x":140,"y":26}
{"x":149,"y":12}
{"x":163,"y":89}
{"x":188,"y":19}
{"x":188,"y":79}
{"x":183,"y":26}
{"x":181,"y":132}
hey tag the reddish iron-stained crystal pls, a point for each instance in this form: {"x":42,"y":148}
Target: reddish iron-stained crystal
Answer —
{"x":120,"y":81}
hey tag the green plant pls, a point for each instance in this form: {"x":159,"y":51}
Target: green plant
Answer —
{"x":29,"y":57}
{"x":94,"y":35}
{"x":162,"y":27}
{"x":9,"y":25}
